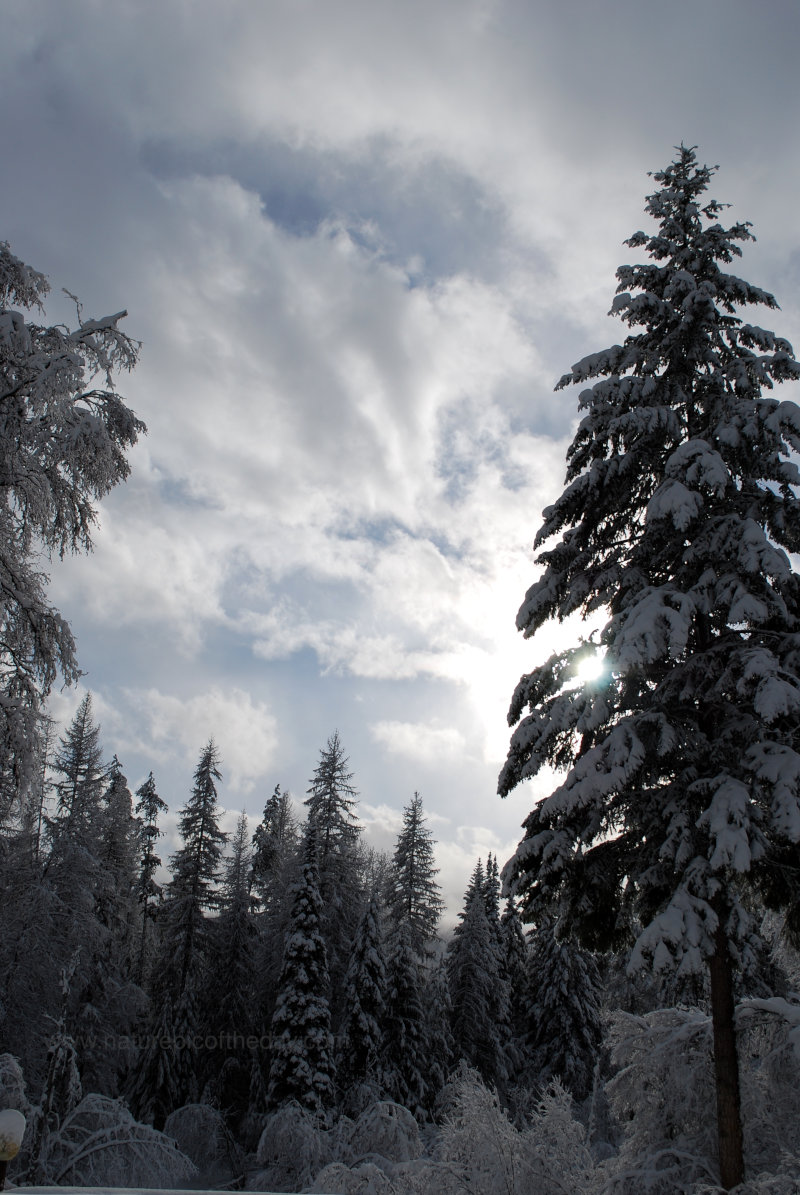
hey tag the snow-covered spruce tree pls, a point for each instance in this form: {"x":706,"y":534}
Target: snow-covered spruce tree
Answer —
{"x":358,"y":1052}
{"x":63,"y":444}
{"x":153,"y":1088}
{"x":117,"y":894}
{"x":76,"y":879}
{"x":148,"y":891}
{"x":109,"y":1004}
{"x":438,"y":1035}
{"x":275,"y":867}
{"x":414,"y":896}
{"x":683,"y":774}
{"x":195,"y":871}
{"x":331,"y":800}
{"x":331,"y":809}
{"x":274,"y":842}
{"x":302,"y":1066}
{"x":230,"y":984}
{"x":478,"y":989}
{"x":404,"y":1028}
{"x":515,"y":961}
{"x":562,"y":1012}
{"x":80,"y":780}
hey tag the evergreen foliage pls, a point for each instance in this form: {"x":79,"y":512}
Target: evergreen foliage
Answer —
{"x":404,"y":1038}
{"x":63,"y":447}
{"x":439,"y":1044}
{"x":274,"y":839}
{"x":152,"y":1090}
{"x":563,"y":1012}
{"x":149,"y":806}
{"x":360,"y":1039}
{"x":195,"y":871}
{"x":414,"y":896}
{"x":679,"y":518}
{"x":331,"y":812}
{"x":117,"y":853}
{"x":331,"y":801}
{"x":302,"y":1045}
{"x":81,"y":776}
{"x":230,"y":980}
{"x":477,"y":990}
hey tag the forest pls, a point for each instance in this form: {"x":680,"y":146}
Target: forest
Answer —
{"x":617,"y":1007}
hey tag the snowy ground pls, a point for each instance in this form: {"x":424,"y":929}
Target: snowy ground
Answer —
{"x":115,"y":1190}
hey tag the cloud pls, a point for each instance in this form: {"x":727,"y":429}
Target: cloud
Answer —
{"x":426,"y":744}
{"x":164,"y":727}
{"x":359,"y":252}
{"x":456,"y":858}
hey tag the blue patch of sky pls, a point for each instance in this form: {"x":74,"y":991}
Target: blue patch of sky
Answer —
{"x":176,"y":491}
{"x":429,"y":212}
{"x":379,"y":531}
{"x":461,"y":451}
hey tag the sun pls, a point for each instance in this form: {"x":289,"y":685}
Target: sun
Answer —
{"x":590,"y":668}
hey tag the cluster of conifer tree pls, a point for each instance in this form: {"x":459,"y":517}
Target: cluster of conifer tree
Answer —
{"x":290,"y":964}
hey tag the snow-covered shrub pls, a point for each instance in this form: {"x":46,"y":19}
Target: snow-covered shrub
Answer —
{"x":200,"y":1132}
{"x":664,"y":1100}
{"x":99,"y":1144}
{"x":292,"y":1149}
{"x":663,"y":1097}
{"x":386,"y":1129}
{"x":769,"y":1047}
{"x":492,"y":1157}
{"x":366,"y":1179}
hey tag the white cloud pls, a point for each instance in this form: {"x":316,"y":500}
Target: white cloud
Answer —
{"x":359,"y":252}
{"x":161,"y":727}
{"x":456,"y":859}
{"x":418,"y":741}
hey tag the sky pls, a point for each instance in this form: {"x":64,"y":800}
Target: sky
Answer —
{"x":360,"y":241}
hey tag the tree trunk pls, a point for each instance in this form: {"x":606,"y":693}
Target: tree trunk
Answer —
{"x":726,"y":1062}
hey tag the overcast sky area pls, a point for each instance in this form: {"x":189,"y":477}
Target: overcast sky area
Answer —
{"x":360,"y":241}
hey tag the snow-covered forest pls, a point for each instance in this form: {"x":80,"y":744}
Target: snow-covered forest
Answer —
{"x":276,"y":1009}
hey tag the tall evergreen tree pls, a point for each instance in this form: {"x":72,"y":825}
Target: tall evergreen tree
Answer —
{"x":195,"y":870}
{"x":414,"y":897}
{"x":331,"y":812}
{"x":74,"y":872}
{"x":230,"y":983}
{"x":80,"y":779}
{"x":152,"y":1089}
{"x":514,"y":959}
{"x":63,"y":444}
{"x":404,"y":1041}
{"x":275,"y":867}
{"x":360,"y":1038}
{"x":331,"y":801}
{"x":439,"y":1045}
{"x":302,"y":1065}
{"x":274,"y":848}
{"x":562,"y":1009}
{"x":108,"y":1004}
{"x":680,"y":512}
{"x":117,"y":857}
{"x":149,"y":806}
{"x":478,"y":993}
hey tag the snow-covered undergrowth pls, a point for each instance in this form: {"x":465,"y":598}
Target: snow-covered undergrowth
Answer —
{"x":97,"y":1143}
{"x":659,"y":1121}
{"x":477,"y":1150}
{"x":200,"y":1132}
{"x":663,"y":1099}
{"x":661,"y":1102}
{"x":100,"y":1144}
